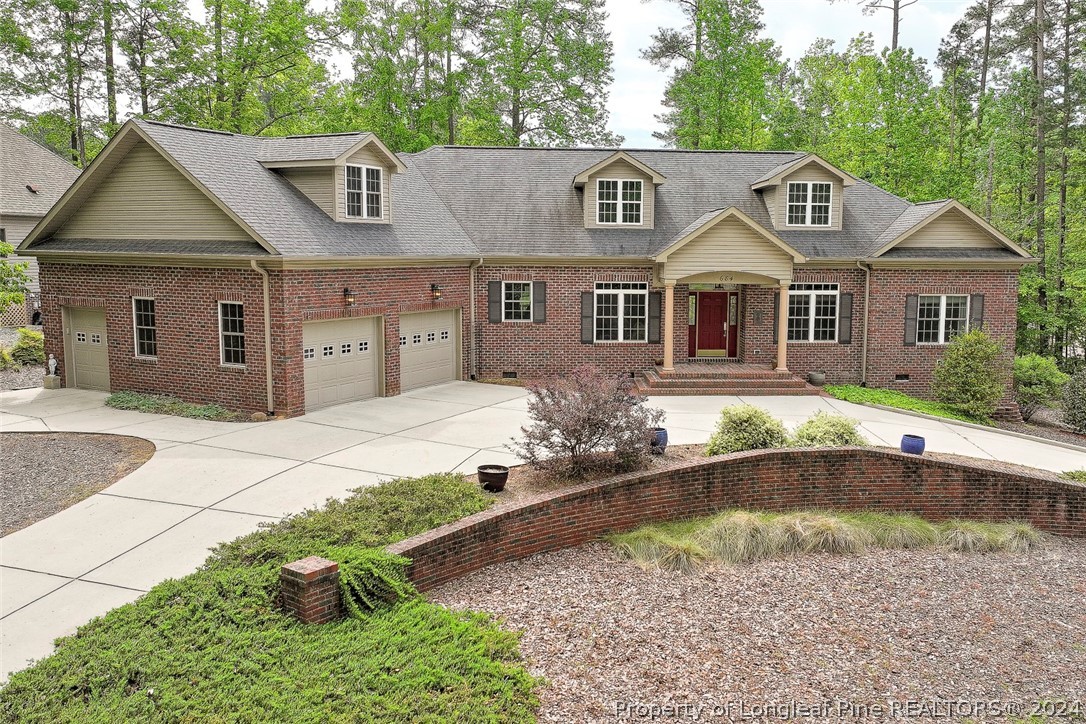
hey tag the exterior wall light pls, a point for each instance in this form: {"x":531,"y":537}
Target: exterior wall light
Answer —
{"x":435,"y":291}
{"x":348,"y":296}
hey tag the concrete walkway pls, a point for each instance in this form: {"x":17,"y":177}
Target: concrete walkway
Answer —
{"x":212,"y":481}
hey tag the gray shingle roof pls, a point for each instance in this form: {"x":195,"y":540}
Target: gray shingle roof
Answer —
{"x":228,"y":166}
{"x":918,"y":252}
{"x":153,"y":246}
{"x":467,"y":202}
{"x":22,"y":162}
{"x":520,"y":201}
{"x":910,"y":217}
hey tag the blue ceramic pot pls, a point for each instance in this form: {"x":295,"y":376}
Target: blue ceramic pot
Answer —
{"x":659,"y":440}
{"x":912,"y":444}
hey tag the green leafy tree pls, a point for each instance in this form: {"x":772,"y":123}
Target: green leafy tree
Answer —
{"x":1037,"y":382}
{"x":972,"y":374}
{"x":13,"y":278}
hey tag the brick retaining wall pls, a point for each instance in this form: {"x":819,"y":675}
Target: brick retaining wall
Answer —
{"x":771,"y":480}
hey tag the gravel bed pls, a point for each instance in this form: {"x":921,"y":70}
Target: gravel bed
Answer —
{"x":44,"y":473}
{"x":1050,"y":428}
{"x":19,"y":377}
{"x":886,"y":626}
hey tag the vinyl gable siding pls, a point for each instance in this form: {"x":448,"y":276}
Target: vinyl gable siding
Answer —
{"x":621,"y":170}
{"x":952,"y":230}
{"x":810,"y":172}
{"x":318,"y":184}
{"x":145,"y":197}
{"x":364,"y":157}
{"x":731,"y":245}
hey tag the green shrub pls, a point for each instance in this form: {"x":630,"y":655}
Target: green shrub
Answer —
{"x":1037,"y":383}
{"x":371,"y":579}
{"x":6,"y":361}
{"x":828,"y":430}
{"x":1079,"y":476}
{"x":1074,"y":401}
{"x":166,"y":405}
{"x":971,"y":375}
{"x":893,"y":398}
{"x":746,"y":427}
{"x":29,"y":349}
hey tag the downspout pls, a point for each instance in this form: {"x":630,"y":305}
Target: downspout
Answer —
{"x":867,"y":298}
{"x":267,"y":336}
{"x":472,"y":361}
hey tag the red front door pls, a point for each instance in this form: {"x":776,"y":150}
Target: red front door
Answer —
{"x":718,"y":324}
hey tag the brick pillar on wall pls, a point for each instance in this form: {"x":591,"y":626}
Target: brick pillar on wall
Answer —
{"x":310,"y":589}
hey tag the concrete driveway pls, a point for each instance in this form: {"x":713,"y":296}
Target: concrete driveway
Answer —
{"x":212,"y":481}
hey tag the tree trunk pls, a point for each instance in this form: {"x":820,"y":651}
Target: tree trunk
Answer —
{"x":698,"y":32}
{"x":984,"y":60}
{"x":69,"y":84}
{"x":111,"y":75}
{"x":897,"y":24}
{"x":451,"y":105}
{"x":1039,"y":192}
{"x":220,"y":71}
{"x":1065,"y":143}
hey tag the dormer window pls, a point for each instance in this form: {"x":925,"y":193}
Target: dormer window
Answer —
{"x":809,"y":203}
{"x":618,"y":201}
{"x":364,"y":188}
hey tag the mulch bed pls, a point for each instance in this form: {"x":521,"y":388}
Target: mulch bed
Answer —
{"x":886,"y":626}
{"x":42,"y":473}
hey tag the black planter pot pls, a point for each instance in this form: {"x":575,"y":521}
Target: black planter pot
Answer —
{"x":493,"y":477}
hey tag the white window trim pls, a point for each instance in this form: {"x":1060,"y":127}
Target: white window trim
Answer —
{"x":531,"y":301}
{"x":365,"y":207}
{"x":135,"y":329}
{"x":621,"y":313}
{"x":618,"y":215}
{"x":811,"y":294}
{"x":943,"y":341}
{"x":222,"y":347}
{"x":808,"y":205}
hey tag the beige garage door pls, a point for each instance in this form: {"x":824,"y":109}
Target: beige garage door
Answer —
{"x":428,"y":345}
{"x":90,"y":348}
{"x":340,"y":360}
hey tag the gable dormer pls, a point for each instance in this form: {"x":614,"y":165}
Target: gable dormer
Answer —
{"x":619,"y":192}
{"x":348,"y":176}
{"x":806,"y":194}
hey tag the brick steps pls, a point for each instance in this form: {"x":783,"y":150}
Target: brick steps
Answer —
{"x":720,"y":379}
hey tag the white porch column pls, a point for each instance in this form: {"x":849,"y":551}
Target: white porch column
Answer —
{"x":782,"y":329}
{"x":669,"y":325}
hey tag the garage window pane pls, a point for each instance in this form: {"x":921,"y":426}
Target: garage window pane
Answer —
{"x":232,"y":333}
{"x":143,"y":319}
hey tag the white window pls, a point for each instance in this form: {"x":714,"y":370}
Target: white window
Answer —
{"x":328,"y":350}
{"x":941,"y":317}
{"x":416,"y":339}
{"x":618,"y":201}
{"x":231,"y":333}
{"x":345,"y":349}
{"x":516,"y":301}
{"x":81,"y":337}
{"x":812,"y":312}
{"x":364,"y":189}
{"x":431,"y":337}
{"x":403,"y":341}
{"x":144,"y":329}
{"x":444,"y":335}
{"x":364,"y":346}
{"x":309,"y":352}
{"x":622,"y":311}
{"x":809,"y":203}
{"x":96,"y":338}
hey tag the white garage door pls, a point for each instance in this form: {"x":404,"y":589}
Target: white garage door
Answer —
{"x":340,"y":360}
{"x":428,"y":345}
{"x":90,"y":348}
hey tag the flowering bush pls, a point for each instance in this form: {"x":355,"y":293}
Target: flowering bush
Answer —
{"x":746,"y":427}
{"x":826,"y":430}
{"x":584,"y":422}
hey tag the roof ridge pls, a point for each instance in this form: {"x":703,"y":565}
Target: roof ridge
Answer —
{"x":440,"y":200}
{"x":187,"y":128}
{"x":611,"y":149}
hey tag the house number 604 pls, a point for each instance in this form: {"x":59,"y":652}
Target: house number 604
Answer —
{"x":727,"y":278}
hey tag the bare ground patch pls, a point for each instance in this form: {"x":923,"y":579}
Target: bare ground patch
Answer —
{"x":42,"y":473}
{"x":886,"y":625}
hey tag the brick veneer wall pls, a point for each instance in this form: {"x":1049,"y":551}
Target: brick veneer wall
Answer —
{"x":553,"y":347}
{"x":887,"y":355}
{"x":309,"y":589}
{"x":772,"y":480}
{"x":186,"y":306}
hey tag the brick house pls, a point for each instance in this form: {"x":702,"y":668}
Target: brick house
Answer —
{"x":289,"y":274}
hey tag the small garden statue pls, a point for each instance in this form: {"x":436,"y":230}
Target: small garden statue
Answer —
{"x":52,"y":366}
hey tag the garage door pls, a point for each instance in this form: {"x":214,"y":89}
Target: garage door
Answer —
{"x":90,"y":348}
{"x":340,"y":360}
{"x":428,"y":345}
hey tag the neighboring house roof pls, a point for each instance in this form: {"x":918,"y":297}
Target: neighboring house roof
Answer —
{"x":24,"y":162}
{"x":469,"y":202}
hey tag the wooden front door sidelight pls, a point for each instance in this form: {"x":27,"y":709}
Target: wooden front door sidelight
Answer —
{"x":716,"y":326}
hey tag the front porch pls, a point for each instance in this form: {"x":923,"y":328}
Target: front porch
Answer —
{"x":720,"y":378}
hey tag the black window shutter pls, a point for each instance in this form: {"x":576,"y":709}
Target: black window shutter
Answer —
{"x":587,"y":317}
{"x":654,"y":317}
{"x":776,"y":314}
{"x":912,"y":303}
{"x":539,"y":302}
{"x":494,"y":302}
{"x":976,"y":311}
{"x":844,"y":319}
